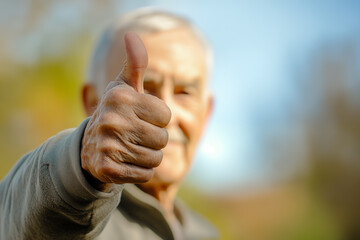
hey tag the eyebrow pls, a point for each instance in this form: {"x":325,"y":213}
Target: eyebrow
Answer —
{"x":195,"y":82}
{"x":151,"y":76}
{"x":157,"y":78}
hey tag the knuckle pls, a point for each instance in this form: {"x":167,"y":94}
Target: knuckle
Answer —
{"x":145,"y":175}
{"x":128,"y":156}
{"x":157,"y":158}
{"x":132,"y":175}
{"x":111,"y":123}
{"x":163,"y":138}
{"x":104,"y":148}
{"x":165,"y":114}
{"x":118,"y":95}
{"x":105,"y":132}
{"x":107,"y":118}
{"x":112,"y":95}
{"x":136,"y":133}
{"x":126,"y":173}
{"x":105,"y":170}
{"x":127,"y":96}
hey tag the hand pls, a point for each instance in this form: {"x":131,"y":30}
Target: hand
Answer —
{"x":123,"y":140}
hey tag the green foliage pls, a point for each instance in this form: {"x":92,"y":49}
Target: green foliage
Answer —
{"x":212,"y":210}
{"x":39,"y":100}
{"x":317,"y":223}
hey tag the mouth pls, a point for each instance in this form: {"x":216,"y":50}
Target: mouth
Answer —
{"x":174,"y":149}
{"x":172,"y":143}
{"x":176,"y":138}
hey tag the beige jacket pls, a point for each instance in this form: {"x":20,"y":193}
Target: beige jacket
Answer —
{"x":45,"y":196}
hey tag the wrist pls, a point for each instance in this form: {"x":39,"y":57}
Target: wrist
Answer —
{"x":96,"y":183}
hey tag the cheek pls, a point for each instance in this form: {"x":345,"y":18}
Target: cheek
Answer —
{"x":194,"y":122}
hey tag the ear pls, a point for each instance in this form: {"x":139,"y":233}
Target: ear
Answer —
{"x":209,"y":105}
{"x":89,"y":98}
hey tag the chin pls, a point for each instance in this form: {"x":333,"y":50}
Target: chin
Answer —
{"x":170,"y":171}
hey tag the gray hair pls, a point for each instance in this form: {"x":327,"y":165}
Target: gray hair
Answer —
{"x":144,"y":20}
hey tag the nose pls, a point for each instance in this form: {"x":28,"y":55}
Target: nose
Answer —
{"x":168,"y":98}
{"x":175,"y":127}
{"x":179,"y":114}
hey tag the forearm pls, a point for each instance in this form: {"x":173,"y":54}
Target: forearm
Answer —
{"x":46,"y":195}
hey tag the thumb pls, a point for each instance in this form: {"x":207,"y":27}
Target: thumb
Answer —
{"x":136,"y":62}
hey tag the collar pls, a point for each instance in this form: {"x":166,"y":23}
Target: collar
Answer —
{"x":148,"y":210}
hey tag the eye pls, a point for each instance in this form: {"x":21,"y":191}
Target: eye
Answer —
{"x":183,"y":91}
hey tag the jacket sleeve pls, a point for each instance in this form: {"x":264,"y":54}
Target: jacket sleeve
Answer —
{"x":46,"y":196}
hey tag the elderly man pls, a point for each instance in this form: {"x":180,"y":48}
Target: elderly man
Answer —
{"x":117,"y":175}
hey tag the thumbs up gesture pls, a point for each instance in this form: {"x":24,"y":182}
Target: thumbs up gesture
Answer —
{"x":123,"y":139}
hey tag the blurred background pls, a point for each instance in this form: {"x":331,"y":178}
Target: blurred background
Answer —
{"x":281,"y":157}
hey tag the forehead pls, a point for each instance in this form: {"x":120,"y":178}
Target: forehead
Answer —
{"x":176,"y":44}
{"x":177,"y":52}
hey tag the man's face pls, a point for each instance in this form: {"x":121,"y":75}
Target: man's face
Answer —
{"x":177,"y":74}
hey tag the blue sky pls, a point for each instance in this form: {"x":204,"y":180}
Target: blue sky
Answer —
{"x":256,"y":45}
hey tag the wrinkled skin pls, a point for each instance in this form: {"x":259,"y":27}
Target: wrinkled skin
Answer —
{"x":123,"y":140}
{"x":176,"y":73}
